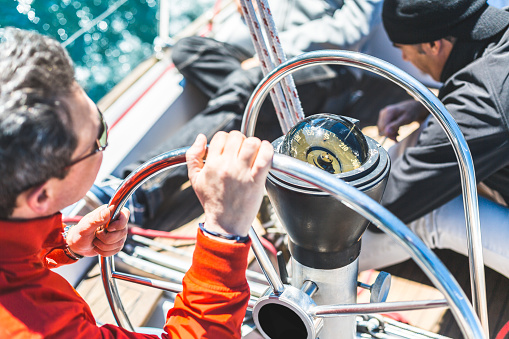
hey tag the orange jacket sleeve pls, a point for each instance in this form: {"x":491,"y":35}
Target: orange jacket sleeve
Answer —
{"x":216,"y":293}
{"x":215,"y":296}
{"x":38,"y":303}
{"x":53,"y":251}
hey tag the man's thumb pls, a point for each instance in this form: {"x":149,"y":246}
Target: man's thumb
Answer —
{"x":97,"y":218}
{"x":195,"y":155}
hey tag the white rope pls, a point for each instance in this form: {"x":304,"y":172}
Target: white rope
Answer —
{"x":279,"y":56}
{"x":276,"y":94}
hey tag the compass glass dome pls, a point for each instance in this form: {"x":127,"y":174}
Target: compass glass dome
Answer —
{"x":330,"y":142}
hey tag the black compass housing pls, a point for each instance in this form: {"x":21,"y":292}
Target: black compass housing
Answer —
{"x":324,"y":233}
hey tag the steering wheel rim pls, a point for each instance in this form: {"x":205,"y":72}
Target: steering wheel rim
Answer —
{"x":360,"y":202}
{"x":434,"y":106}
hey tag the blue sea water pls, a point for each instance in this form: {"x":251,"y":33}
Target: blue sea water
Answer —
{"x":107,"y":52}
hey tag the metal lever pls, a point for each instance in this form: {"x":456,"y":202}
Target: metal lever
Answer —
{"x":380,"y":288}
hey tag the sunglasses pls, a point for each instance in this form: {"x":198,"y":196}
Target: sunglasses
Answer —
{"x":101,"y":141}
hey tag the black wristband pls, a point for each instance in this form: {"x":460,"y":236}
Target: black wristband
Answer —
{"x":68,"y":252}
{"x":237,"y":238}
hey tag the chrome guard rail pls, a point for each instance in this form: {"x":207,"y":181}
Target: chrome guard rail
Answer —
{"x":436,"y":108}
{"x":360,"y":202}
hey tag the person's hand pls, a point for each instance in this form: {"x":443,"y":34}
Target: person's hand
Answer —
{"x":230,"y":185}
{"x":392,"y":117}
{"x":89,"y":238}
{"x":250,"y":63}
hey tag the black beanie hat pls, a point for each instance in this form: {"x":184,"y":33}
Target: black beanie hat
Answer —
{"x":410,"y":22}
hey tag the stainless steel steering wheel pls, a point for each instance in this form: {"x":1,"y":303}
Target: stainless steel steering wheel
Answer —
{"x":361,"y":203}
{"x":357,"y":200}
{"x":435,"y":107}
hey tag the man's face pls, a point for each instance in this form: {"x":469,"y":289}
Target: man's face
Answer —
{"x":81,"y":176}
{"x":418,"y":55}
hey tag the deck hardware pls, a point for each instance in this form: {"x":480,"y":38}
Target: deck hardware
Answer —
{"x":380,"y":288}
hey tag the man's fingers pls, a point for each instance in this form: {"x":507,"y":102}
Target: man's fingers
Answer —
{"x":391,"y":130}
{"x":263,"y":161}
{"x":110,"y":245}
{"x":95,"y":219}
{"x":110,"y":241}
{"x":107,"y":250}
{"x":195,"y":155}
{"x":385,"y":116}
{"x":121,"y":221}
{"x":233,"y":145}
{"x":249,"y":151}
{"x":217,"y":143}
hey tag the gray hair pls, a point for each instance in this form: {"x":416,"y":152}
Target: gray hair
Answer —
{"x":37,"y":139}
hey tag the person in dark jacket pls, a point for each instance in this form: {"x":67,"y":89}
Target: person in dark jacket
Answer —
{"x":465,"y":45}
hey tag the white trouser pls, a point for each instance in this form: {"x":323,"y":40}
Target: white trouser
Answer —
{"x":444,"y":228}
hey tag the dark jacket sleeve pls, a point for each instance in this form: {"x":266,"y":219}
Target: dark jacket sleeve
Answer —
{"x":427,"y":176}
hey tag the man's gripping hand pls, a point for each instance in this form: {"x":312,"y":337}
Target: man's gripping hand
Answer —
{"x":230,"y":184}
{"x":89,"y":237}
{"x":392,"y":117}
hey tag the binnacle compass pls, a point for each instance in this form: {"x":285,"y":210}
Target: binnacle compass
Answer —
{"x":332,"y":143}
{"x":323,"y":232}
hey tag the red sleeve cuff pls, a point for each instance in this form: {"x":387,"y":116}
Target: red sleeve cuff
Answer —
{"x":220,"y":264}
{"x":57,"y":257}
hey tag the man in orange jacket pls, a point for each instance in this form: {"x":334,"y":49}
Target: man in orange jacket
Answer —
{"x":51,"y":138}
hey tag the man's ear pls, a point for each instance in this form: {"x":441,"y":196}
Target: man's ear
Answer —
{"x":434,"y":47}
{"x":38,"y":199}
